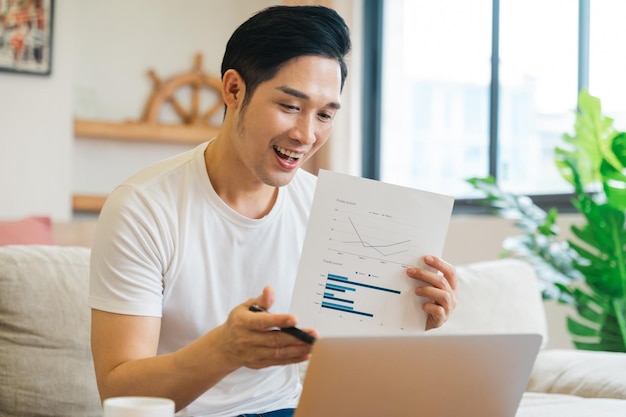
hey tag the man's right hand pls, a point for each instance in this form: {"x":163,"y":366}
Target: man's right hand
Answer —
{"x":253,"y":340}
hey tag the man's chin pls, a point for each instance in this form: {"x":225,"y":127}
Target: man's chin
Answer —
{"x":280,"y":179}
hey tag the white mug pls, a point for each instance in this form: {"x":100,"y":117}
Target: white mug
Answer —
{"x":138,"y":407}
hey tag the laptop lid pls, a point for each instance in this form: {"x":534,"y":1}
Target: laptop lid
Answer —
{"x":431,"y":376}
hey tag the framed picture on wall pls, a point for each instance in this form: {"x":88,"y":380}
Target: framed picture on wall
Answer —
{"x":26,"y":36}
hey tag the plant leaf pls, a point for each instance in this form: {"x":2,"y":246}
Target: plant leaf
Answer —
{"x":578,"y":329}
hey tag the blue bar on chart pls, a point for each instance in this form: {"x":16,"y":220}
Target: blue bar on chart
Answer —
{"x":330,"y":296}
{"x":345,"y":309}
{"x":339,"y":288}
{"x":346,"y":280}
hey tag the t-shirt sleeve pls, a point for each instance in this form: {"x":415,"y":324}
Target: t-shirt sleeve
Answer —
{"x":128,"y":257}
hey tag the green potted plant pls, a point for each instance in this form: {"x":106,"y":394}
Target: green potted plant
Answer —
{"x":588,"y":271}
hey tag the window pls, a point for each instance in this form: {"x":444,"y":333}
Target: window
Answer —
{"x":435,"y":88}
{"x":607,"y":61}
{"x":449,"y":112}
{"x":538,"y":91}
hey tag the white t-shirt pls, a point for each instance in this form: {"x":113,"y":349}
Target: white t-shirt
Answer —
{"x":167,"y":246}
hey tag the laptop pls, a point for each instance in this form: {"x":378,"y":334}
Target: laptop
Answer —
{"x":426,"y":375}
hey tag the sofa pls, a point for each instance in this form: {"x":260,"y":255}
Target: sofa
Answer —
{"x":46,"y":366}
{"x":503,"y":296}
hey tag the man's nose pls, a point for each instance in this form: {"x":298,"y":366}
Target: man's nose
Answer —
{"x":304,"y":130}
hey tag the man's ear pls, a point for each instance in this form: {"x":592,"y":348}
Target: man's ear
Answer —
{"x":233,"y":88}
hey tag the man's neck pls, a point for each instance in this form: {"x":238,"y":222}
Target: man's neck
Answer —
{"x":240,"y":190}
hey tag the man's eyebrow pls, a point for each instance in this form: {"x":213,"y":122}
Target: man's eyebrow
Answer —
{"x":303,"y":96}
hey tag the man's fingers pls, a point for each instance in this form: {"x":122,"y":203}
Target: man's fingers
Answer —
{"x":448,"y":270}
{"x":263,"y":320}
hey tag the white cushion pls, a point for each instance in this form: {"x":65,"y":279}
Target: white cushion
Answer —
{"x":500,"y":296}
{"x":580,"y":372}
{"x":556,"y":405}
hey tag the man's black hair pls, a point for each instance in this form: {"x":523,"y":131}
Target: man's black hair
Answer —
{"x":261,"y":45}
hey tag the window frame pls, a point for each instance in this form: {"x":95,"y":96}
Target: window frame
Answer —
{"x":372,"y":95}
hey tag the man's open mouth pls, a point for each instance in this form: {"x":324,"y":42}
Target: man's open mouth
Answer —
{"x":286,"y":154}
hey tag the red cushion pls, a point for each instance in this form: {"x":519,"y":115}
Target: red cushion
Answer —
{"x":35,"y":230}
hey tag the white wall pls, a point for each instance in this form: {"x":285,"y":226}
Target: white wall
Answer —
{"x":36,"y":132}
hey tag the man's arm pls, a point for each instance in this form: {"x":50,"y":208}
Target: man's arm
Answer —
{"x":124,"y":350}
{"x":125,"y":356}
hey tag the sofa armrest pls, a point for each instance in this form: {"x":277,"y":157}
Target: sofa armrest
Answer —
{"x":74,"y":233}
{"x":46,"y":368}
{"x":579,"y":372}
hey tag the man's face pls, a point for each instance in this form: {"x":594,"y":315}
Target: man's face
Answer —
{"x":288,"y":118}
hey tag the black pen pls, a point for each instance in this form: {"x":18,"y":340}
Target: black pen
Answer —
{"x":294,"y":331}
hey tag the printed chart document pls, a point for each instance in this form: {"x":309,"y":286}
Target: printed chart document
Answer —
{"x":361,"y":237}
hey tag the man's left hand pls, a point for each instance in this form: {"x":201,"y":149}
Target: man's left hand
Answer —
{"x":441,"y":291}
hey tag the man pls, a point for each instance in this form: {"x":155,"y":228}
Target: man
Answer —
{"x":181,"y":245}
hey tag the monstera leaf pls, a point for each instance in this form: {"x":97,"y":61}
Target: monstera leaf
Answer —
{"x":589,"y":271}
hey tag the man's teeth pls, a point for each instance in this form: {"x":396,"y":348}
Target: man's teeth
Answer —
{"x":288,"y":153}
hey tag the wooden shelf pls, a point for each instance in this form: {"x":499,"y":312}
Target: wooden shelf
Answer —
{"x":144,"y":132}
{"x":88,"y":203}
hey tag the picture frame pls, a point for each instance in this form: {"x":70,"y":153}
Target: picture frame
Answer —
{"x":26,"y":36}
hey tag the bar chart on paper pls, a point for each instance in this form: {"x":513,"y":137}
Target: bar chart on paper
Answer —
{"x":361,"y":237}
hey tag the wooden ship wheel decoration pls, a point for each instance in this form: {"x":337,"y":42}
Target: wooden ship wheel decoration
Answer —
{"x":164,"y":92}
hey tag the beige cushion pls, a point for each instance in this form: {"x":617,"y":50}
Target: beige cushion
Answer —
{"x":560,"y":405}
{"x":46,"y":367}
{"x":500,"y":296}
{"x":579,"y":372}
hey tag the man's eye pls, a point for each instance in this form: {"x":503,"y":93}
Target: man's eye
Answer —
{"x":290,"y":107}
{"x":325,"y":116}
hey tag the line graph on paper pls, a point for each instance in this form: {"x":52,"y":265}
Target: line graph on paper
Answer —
{"x":384,"y":249}
{"x":373,"y":236}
